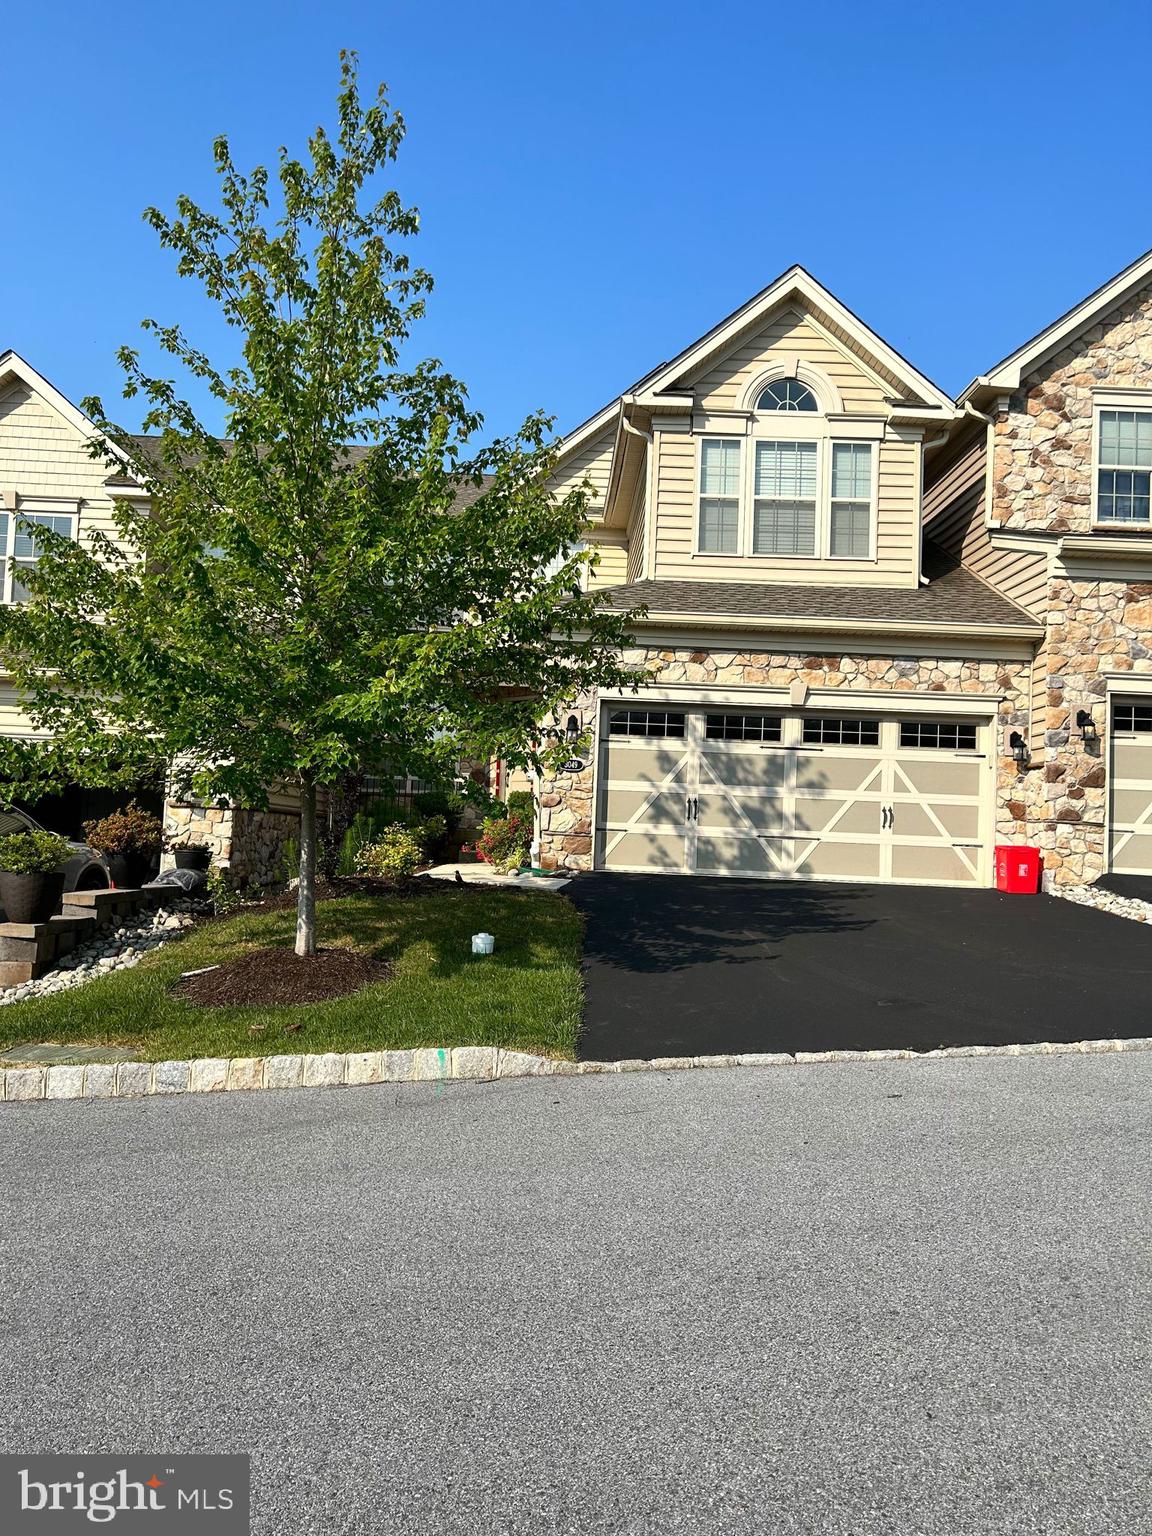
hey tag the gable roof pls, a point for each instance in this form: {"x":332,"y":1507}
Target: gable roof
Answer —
{"x":794,"y":283}
{"x":1010,"y":370}
{"x":13,"y":366}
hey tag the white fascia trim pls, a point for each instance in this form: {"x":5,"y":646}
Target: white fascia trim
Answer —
{"x":797,"y":281}
{"x":1031,"y":543}
{"x":1125,"y":682}
{"x":12,"y":365}
{"x":587,"y":430}
{"x":1091,"y":546}
{"x":1008,"y":374}
{"x":871,"y":700}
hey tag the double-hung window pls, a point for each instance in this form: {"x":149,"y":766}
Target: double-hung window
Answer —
{"x":19,"y":542}
{"x":801,"y":497}
{"x":851,"y":521}
{"x":1124,"y":468}
{"x":720,"y":496}
{"x":784,"y":505}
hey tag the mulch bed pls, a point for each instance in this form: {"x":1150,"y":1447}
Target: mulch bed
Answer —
{"x":275,"y":976}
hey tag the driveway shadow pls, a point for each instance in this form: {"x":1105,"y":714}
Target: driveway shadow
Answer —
{"x":688,"y":966}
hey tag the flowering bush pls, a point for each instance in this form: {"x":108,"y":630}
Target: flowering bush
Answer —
{"x":396,"y":853}
{"x":505,"y":839}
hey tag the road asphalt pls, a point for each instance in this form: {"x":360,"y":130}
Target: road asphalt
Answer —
{"x":893,"y":1299}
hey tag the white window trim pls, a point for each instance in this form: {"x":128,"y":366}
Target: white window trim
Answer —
{"x":776,"y":427}
{"x":33,"y":506}
{"x":1115,"y":400}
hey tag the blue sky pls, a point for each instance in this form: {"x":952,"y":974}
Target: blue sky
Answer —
{"x":598,"y":183}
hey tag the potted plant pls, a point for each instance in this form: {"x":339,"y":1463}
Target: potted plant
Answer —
{"x":130,"y":840}
{"x":31,"y":877}
{"x":192,"y":856}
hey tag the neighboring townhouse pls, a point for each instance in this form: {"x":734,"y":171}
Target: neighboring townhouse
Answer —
{"x":884,"y":630}
{"x":48,"y":476}
{"x":1043,"y":491}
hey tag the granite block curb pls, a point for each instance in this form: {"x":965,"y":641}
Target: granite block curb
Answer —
{"x":467,"y":1063}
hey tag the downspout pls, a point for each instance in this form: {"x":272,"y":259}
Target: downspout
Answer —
{"x":649,"y":507}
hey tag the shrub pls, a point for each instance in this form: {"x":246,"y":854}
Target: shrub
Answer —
{"x":433,"y":834}
{"x":223,"y":895}
{"x":506,"y":839}
{"x":289,"y":860}
{"x":33,"y":852}
{"x":521,"y":800}
{"x":130,"y":831}
{"x":431,"y":802}
{"x":395,"y":854}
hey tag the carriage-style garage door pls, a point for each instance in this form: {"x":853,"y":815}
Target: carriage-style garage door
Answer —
{"x":783,"y":795}
{"x":1130,"y":818}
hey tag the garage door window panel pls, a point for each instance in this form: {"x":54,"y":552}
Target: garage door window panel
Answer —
{"x":1132,"y":718}
{"x":765,"y":728}
{"x":939,"y":735}
{"x":821,"y":730}
{"x":645,"y":722}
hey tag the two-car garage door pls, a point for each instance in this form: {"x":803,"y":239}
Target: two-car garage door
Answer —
{"x":777,"y":794}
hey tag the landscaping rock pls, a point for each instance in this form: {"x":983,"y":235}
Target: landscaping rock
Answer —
{"x":364,"y":1067}
{"x":24,"y":1083}
{"x":283,"y":1071}
{"x":245,"y":1072}
{"x":116,"y":949}
{"x":475,"y":1061}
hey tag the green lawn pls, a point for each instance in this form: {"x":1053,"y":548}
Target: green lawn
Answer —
{"x":526,"y":996}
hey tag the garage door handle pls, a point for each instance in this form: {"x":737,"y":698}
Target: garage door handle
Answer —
{"x":886,"y":818}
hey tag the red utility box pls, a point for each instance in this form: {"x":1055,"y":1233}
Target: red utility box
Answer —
{"x":1017,"y":869}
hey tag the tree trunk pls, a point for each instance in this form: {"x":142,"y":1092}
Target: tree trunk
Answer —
{"x":306,"y":891}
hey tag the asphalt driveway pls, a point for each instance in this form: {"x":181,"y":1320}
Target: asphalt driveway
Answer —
{"x":680,"y":966}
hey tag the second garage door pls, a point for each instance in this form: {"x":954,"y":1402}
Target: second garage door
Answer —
{"x":784,"y":795}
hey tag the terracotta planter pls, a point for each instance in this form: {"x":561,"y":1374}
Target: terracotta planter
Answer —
{"x":31,"y":898}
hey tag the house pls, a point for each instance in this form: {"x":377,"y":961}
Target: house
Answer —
{"x":885,"y":630}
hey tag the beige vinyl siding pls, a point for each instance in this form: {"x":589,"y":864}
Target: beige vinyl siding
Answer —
{"x":594,"y":462}
{"x":42,"y":455}
{"x":14,"y":720}
{"x":954,"y":519}
{"x":612,"y":570}
{"x":790,"y":338}
{"x":897,"y":561}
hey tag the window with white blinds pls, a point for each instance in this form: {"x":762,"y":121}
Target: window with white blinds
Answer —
{"x":851,"y":526}
{"x":720,"y":496}
{"x":19,"y":543}
{"x":784,"y":506}
{"x":807,"y":497}
{"x":1124,"y":467}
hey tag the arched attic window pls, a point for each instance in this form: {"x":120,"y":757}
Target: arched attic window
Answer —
{"x":787,"y":395}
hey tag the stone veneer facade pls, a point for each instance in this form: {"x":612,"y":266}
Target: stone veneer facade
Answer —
{"x":1042,"y":483}
{"x":567,"y":807}
{"x":248,"y":844}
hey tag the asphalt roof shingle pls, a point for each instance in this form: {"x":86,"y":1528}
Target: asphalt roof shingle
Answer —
{"x":953,"y":597}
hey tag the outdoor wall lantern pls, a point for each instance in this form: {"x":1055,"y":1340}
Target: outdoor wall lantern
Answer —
{"x":570,"y":733}
{"x":1019,"y":750}
{"x":1087,"y":728}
